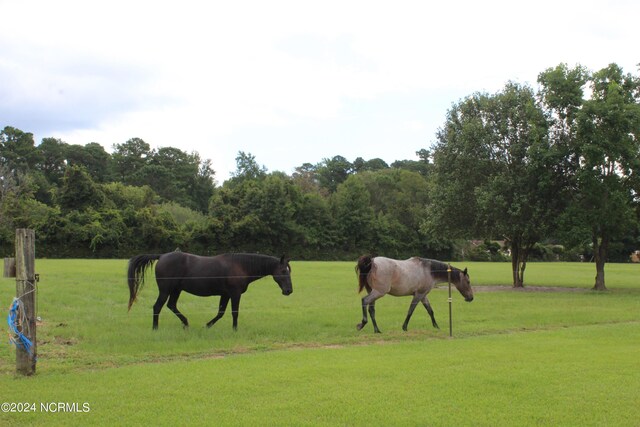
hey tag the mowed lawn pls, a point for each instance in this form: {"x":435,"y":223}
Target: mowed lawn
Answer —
{"x":569,"y":357}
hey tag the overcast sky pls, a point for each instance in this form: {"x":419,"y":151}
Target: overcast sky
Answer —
{"x":290,"y":82}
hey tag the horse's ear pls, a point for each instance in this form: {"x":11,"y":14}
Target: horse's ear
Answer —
{"x":283,"y":259}
{"x":465,"y":271}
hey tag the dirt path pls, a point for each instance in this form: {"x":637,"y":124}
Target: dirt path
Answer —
{"x":527,"y":289}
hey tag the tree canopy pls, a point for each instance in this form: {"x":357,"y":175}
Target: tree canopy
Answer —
{"x":557,"y":166}
{"x":492,"y":172}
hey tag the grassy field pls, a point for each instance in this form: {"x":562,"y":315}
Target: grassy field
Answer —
{"x":569,"y":357}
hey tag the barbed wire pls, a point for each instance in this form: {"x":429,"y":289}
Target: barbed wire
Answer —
{"x":214,"y":307}
{"x":211,"y":277}
{"x":240,"y":276}
{"x":144,"y":309}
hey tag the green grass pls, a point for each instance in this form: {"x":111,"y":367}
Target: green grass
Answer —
{"x":560,"y":274}
{"x":517,"y":358}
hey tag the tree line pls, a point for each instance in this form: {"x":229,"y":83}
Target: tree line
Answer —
{"x":553,"y":173}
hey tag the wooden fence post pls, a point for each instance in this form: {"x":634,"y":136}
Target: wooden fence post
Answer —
{"x":9,"y":267}
{"x":26,"y":292}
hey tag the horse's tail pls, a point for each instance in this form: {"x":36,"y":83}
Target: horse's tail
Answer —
{"x":363,"y":268}
{"x":135,"y":274}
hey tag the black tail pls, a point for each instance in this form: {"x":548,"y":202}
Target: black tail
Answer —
{"x":135,"y":274}
{"x":365,"y":262}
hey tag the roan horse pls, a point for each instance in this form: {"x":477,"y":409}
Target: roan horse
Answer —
{"x":227,"y":275}
{"x":415,"y":276}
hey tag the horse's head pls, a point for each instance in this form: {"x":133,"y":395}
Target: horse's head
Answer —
{"x":282,"y":276}
{"x":463,"y":285}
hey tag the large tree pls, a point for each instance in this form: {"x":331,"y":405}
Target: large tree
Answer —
{"x":561,"y":96}
{"x":247,"y":168}
{"x":52,"y":161}
{"x":17,"y":150}
{"x":92,"y":157}
{"x":256,"y":214}
{"x":351,"y":206}
{"x":398,"y":198}
{"x":422,"y":166}
{"x":607,"y":148}
{"x":79,"y":191}
{"x":129,"y":158}
{"x":333,"y":172}
{"x":202,"y":185}
{"x":491,"y":172}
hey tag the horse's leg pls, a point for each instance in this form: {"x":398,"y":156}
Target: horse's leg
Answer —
{"x":416,"y":299}
{"x":222,"y":307}
{"x":162,"y":298}
{"x":173,"y":306}
{"x":360,"y":325}
{"x":235,"y":306}
{"x":427,"y":305}
{"x":370,"y":301}
{"x":372,"y":313}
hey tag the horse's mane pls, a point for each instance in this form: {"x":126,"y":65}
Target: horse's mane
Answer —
{"x":248,"y":256}
{"x":441,"y":269}
{"x":255,"y":262}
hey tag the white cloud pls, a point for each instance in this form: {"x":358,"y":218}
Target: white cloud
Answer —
{"x":290,"y":82}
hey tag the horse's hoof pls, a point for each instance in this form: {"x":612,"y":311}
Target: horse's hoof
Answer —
{"x":404,"y":328}
{"x":359,"y":326}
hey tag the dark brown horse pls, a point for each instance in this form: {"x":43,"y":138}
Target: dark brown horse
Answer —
{"x":227,"y":275}
{"x":414,"y":276}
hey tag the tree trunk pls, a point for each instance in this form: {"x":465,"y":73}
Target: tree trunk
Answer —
{"x":519,"y":257}
{"x":523,"y":266}
{"x":517,"y":266}
{"x":517,"y":273}
{"x":514,"y":266}
{"x":9,"y":267}
{"x":600,"y":246}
